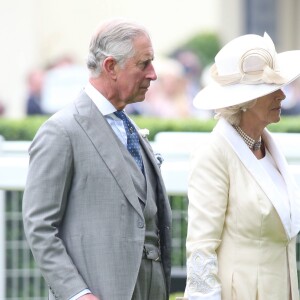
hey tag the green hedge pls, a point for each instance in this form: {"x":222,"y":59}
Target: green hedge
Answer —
{"x":25,"y":129}
{"x":20,"y":129}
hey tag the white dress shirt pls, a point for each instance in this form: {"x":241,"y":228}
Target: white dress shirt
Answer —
{"x":107,"y":110}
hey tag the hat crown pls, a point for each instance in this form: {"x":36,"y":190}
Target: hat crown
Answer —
{"x":245,"y":69}
{"x":249,"y":59}
{"x":248,"y":53}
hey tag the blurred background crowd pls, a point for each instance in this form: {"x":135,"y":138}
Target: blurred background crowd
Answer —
{"x":43,"y":65}
{"x":180,"y":77}
{"x":171,"y":96}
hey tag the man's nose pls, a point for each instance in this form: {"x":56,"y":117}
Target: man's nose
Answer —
{"x":152,"y":74}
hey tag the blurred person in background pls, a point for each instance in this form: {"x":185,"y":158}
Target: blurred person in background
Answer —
{"x":192,"y":69}
{"x":168,"y":96}
{"x":95,"y":210}
{"x":244,"y":206}
{"x":35,"y":81}
{"x":63,"y":79}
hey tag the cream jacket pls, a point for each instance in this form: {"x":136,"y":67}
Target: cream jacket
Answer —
{"x":241,"y":234}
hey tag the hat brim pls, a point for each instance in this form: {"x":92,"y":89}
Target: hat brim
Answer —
{"x":216,"y":96}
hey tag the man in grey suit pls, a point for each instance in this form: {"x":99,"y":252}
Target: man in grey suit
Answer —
{"x":95,"y":210}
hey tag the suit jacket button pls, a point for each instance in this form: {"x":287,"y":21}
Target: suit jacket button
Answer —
{"x":141,"y":224}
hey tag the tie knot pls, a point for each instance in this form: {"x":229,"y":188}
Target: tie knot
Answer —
{"x":120,"y":114}
{"x":127,"y":123}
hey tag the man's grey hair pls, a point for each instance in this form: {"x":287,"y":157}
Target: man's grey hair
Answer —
{"x":232,"y":114}
{"x":113,"y":38}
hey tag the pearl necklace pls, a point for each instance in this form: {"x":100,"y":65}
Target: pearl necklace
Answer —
{"x":251,"y":143}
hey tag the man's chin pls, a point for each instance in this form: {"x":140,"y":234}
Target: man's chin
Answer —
{"x":139,"y":99}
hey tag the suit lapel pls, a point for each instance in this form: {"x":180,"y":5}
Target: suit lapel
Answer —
{"x":102,"y":137}
{"x":149,"y":152}
{"x":261,"y":176}
{"x":147,"y":148}
{"x":292,"y":188}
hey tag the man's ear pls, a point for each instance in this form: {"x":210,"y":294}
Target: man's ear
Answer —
{"x":109,"y":65}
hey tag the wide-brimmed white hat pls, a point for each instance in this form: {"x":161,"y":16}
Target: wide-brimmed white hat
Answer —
{"x":245,"y":69}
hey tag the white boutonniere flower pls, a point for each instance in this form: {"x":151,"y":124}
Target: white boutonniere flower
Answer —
{"x":144,"y":132}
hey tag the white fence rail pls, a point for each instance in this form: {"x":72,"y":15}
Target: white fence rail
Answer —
{"x":175,"y":147}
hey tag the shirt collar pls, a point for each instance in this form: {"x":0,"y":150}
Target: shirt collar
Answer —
{"x":104,"y":106}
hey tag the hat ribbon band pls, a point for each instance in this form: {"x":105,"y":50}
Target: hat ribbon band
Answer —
{"x":267,"y":75}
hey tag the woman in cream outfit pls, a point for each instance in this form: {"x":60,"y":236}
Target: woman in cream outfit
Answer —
{"x":244,"y":208}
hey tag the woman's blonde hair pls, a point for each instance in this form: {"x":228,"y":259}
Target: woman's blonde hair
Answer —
{"x":232,"y":114}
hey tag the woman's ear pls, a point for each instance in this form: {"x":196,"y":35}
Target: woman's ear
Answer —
{"x":109,"y":65}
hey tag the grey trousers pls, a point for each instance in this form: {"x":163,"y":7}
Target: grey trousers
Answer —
{"x":151,"y":282}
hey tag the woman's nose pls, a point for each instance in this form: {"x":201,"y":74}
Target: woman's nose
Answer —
{"x":281,"y":95}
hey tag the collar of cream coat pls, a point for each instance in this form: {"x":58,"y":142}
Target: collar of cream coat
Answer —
{"x":289,"y":213}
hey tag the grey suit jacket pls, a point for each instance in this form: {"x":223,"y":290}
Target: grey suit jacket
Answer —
{"x":81,"y":214}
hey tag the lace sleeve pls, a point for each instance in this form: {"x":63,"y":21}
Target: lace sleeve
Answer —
{"x":202,"y":274}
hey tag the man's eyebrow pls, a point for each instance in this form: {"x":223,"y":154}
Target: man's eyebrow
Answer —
{"x":145,"y":61}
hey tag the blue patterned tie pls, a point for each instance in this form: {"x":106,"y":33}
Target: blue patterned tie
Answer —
{"x":133,"y":143}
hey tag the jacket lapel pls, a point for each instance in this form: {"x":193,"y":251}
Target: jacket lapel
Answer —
{"x":149,"y":152}
{"x":289,"y":215}
{"x":102,"y":137}
{"x":293,"y":190}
